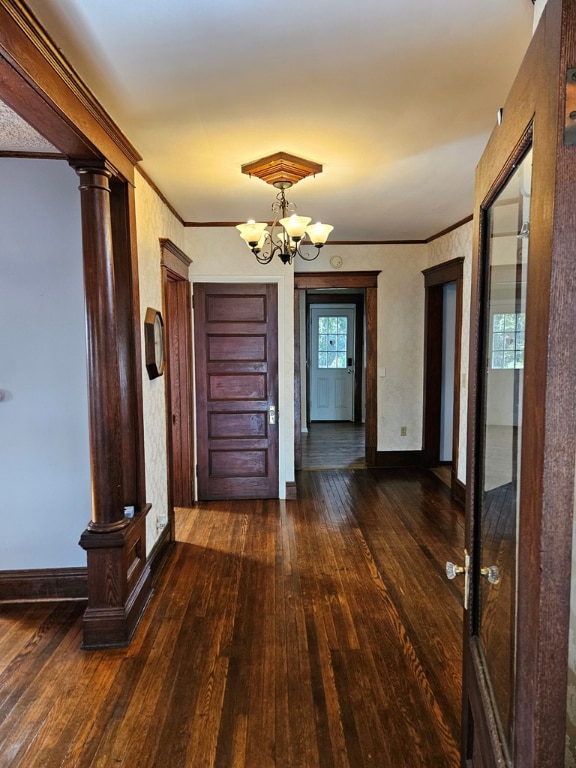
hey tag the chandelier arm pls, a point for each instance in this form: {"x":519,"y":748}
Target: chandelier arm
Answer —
{"x":267,"y":253}
{"x":262,"y":258}
{"x":306,"y":257}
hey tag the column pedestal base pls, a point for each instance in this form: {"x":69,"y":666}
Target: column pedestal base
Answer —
{"x":119,"y":583}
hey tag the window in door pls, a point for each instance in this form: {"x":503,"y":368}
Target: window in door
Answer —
{"x":508,"y":340}
{"x":332,"y":342}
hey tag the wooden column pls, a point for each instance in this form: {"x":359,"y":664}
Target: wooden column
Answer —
{"x":102,"y":344}
{"x":118,"y":575}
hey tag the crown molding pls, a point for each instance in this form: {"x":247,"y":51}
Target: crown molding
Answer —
{"x":58,"y":64}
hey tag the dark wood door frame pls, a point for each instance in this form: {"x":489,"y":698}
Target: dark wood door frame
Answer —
{"x":177,"y":302}
{"x":435,"y":278}
{"x":369,"y":282}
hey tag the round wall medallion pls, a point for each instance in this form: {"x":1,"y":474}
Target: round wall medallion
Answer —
{"x":336,"y":262}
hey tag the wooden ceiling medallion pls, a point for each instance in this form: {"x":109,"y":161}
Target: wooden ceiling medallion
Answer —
{"x":281,"y":169}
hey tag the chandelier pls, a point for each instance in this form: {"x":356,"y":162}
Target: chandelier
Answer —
{"x":288,"y":231}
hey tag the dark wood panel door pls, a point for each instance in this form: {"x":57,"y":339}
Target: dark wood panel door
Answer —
{"x":522,"y":421}
{"x":236,"y":340}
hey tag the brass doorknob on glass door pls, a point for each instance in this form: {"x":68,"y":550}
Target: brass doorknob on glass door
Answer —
{"x":492,"y":573}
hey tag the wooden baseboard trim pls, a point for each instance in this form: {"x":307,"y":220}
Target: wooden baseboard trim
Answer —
{"x":291,"y":491}
{"x":458,"y":491}
{"x":399,"y":459}
{"x":160,"y":552}
{"x":43,"y":584}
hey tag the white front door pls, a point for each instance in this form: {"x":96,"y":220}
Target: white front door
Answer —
{"x":332,"y":362}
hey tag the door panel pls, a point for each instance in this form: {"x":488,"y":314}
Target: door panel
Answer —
{"x":521,"y":427}
{"x":332,"y":361}
{"x":235,"y":331}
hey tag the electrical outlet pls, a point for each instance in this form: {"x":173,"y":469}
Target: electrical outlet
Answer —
{"x":402,"y":431}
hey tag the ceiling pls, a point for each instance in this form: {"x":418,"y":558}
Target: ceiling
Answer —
{"x":394,"y":98}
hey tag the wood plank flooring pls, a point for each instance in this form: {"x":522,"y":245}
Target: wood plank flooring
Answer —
{"x":317,"y":633}
{"x":333,"y":445}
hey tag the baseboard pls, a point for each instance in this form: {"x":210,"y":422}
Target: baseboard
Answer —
{"x":43,"y":584}
{"x":458,"y":491}
{"x":399,"y":459}
{"x":291,"y":491}
{"x":160,"y":552}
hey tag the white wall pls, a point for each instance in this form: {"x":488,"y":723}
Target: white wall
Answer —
{"x":539,"y":6}
{"x":45,"y":500}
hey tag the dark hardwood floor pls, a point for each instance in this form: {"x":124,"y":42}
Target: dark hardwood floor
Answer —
{"x":317,"y":633}
{"x":333,"y":445}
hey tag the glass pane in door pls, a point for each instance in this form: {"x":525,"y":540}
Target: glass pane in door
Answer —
{"x":506,"y":239}
{"x":332,"y":342}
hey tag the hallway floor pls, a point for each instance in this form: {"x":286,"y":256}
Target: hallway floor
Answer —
{"x":333,"y":445}
{"x":316,"y":633}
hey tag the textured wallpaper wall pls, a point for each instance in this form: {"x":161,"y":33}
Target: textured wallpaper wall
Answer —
{"x":454,"y":245}
{"x":153,"y":221}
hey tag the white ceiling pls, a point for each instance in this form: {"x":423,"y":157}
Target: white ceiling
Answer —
{"x":395,"y":98}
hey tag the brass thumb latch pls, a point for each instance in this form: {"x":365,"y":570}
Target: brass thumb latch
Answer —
{"x":454,"y":570}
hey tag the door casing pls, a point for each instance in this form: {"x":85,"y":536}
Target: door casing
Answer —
{"x":177,"y":305}
{"x":435,"y":278}
{"x":369,"y":282}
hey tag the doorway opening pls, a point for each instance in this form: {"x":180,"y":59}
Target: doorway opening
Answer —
{"x":442,"y":333}
{"x":335,"y":340}
{"x":328,"y":442}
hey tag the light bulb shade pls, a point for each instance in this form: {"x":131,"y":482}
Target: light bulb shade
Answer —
{"x":318,"y":233}
{"x":296,"y":225}
{"x":252,"y":232}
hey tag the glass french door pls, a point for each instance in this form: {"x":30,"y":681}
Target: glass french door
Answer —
{"x":522,"y":419}
{"x":498,"y":456}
